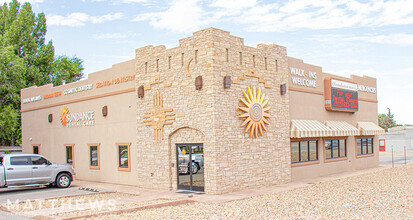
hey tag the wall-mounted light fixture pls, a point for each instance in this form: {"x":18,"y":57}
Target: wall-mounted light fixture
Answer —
{"x":50,"y":118}
{"x":283,"y":89}
{"x":227,"y":82}
{"x":105,"y":111}
{"x":198,"y":83}
{"x":141,"y":92}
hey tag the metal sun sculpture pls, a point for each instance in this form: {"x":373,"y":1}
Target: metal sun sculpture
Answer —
{"x":255,"y":111}
{"x":158,"y":117}
{"x":63,"y":115}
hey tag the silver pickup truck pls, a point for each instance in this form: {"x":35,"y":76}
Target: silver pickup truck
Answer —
{"x":33,"y":169}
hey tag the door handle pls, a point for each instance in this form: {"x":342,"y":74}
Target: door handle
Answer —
{"x":10,"y":169}
{"x":34,"y":168}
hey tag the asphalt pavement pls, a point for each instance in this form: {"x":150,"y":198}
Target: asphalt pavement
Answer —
{"x":15,"y":194}
{"x":398,"y":158}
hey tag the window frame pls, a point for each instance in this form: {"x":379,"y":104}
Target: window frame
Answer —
{"x":38,"y":148}
{"x":73,"y":153}
{"x":304,"y":163}
{"x":372,"y":146}
{"x":333,"y":159}
{"x":118,"y":145}
{"x":97,"y":145}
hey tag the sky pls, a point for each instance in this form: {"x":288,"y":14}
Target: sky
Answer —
{"x":344,"y":37}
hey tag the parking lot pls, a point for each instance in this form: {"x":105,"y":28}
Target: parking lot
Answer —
{"x":14,"y":194}
{"x":398,"y":158}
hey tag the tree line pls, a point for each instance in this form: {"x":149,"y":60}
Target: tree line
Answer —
{"x":26,"y":59}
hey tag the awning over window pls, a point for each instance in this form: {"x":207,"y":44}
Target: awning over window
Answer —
{"x":369,"y":128}
{"x":342,"y":128}
{"x":308,"y":128}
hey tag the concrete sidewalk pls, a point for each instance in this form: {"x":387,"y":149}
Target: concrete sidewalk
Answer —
{"x":149,"y":194}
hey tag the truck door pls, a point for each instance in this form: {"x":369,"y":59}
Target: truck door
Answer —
{"x":19,"y":171}
{"x":41,"y":170}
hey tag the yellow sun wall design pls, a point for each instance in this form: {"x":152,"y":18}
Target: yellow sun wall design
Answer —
{"x":255,"y":112}
{"x":63,"y":115}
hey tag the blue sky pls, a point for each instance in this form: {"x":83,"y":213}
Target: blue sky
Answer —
{"x":373,"y":38}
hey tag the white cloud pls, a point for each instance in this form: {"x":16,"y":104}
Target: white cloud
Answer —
{"x":133,"y":1}
{"x":291,"y":15}
{"x":397,"y":39}
{"x":400,"y":39}
{"x":233,"y":4}
{"x":329,"y":14}
{"x":22,"y":1}
{"x":112,"y":36}
{"x":180,"y":16}
{"x":80,"y":19}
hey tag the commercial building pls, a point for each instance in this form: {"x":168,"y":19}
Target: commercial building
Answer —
{"x":397,"y":139}
{"x":211,"y":114}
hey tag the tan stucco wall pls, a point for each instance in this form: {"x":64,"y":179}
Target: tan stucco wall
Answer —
{"x":117,"y":127}
{"x":308,"y":104}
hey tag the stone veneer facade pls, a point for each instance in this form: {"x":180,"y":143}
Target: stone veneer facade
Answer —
{"x":233,"y":160}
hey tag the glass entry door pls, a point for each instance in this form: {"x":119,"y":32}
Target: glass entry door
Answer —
{"x":190,"y":166}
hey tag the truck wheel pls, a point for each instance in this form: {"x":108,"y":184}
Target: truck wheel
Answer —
{"x":195,"y":168}
{"x":63,"y":181}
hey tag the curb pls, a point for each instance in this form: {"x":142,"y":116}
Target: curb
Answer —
{"x":89,"y":189}
{"x":160,"y":205}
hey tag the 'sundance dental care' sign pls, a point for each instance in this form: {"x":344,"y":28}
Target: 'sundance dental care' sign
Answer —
{"x":78,"y":119}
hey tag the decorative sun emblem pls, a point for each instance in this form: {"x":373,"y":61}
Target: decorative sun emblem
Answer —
{"x":63,"y":115}
{"x":255,"y":112}
{"x":158,"y":117}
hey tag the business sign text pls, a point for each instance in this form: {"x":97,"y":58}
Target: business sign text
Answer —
{"x":341,"y":95}
{"x":301,"y":78}
{"x":78,"y":119}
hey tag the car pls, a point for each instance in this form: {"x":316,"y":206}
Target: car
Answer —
{"x":33,"y":169}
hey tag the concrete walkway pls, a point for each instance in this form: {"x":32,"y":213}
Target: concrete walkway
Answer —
{"x":149,"y":194}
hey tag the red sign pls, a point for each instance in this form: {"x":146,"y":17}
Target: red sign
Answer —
{"x":344,"y":99}
{"x":382,"y":145}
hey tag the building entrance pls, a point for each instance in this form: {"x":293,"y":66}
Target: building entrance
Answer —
{"x":190,"y":166}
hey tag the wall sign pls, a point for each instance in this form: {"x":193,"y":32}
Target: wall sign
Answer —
{"x":255,"y":112}
{"x":367,"y":89}
{"x":301,"y":78}
{"x":340,"y":95}
{"x":32,"y":99}
{"x":78,"y":119}
{"x":82,"y":88}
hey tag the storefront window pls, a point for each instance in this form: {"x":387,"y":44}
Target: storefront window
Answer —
{"x":304,"y":151}
{"x":295,"y":151}
{"x":35,"y":149}
{"x":313,"y":150}
{"x":335,"y":148}
{"x":123,"y":156}
{"x":69,"y":154}
{"x":94,"y":156}
{"x":364,"y":146}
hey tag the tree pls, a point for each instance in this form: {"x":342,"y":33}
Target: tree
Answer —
{"x":387,"y":121}
{"x":26,"y":60}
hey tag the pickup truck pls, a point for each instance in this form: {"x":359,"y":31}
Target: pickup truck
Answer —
{"x":197,"y":160}
{"x":33,"y":169}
